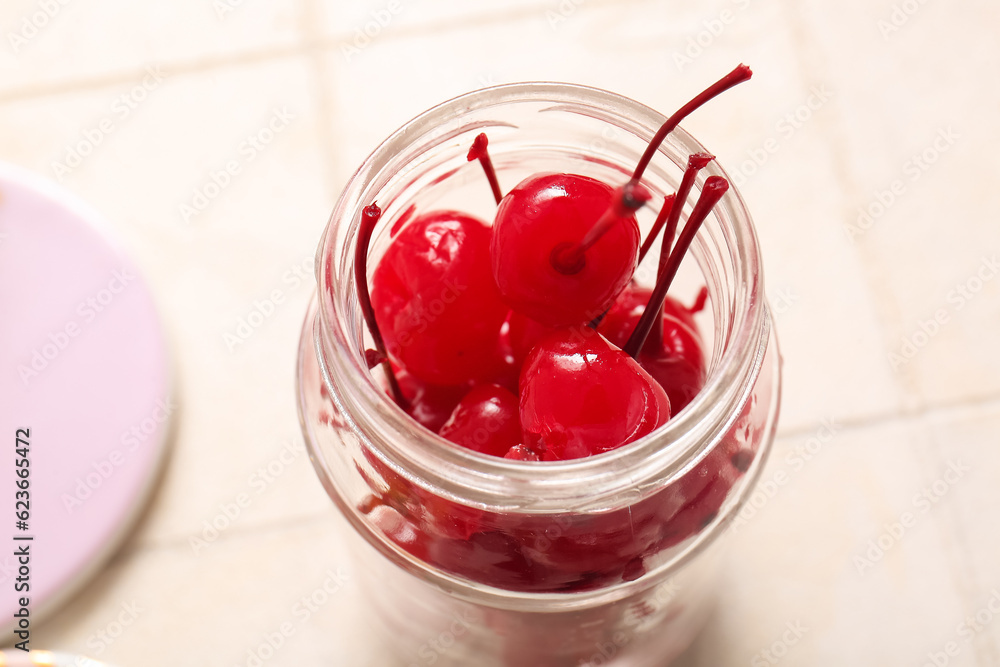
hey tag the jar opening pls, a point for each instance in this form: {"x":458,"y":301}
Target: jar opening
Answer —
{"x":543,"y":126}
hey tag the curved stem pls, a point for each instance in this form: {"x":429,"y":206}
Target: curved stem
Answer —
{"x":661,"y":219}
{"x":737,"y":76}
{"x":711,"y":193}
{"x":369,"y":218}
{"x":699,"y":301}
{"x":568,"y":258}
{"x":480,"y":152}
{"x":696,"y":163}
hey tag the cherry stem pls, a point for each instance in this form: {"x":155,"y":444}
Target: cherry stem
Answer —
{"x":480,"y":152}
{"x":670,"y":217}
{"x":661,"y":219}
{"x":568,"y":258}
{"x":655,"y":336}
{"x":373,"y":358}
{"x":713,"y":190}
{"x":739,"y":75}
{"x":370,"y":216}
{"x":699,"y":301}
{"x":696,"y":163}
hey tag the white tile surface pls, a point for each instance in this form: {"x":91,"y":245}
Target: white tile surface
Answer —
{"x":921,"y":119}
{"x":78,"y":41}
{"x":843,"y":302}
{"x":804,"y":557}
{"x":256,"y":237}
{"x":225,"y":602}
{"x":794,"y":196}
{"x":968,"y":435}
{"x":357,"y":25}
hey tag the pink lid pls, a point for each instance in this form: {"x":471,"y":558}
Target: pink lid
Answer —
{"x":85,"y":370}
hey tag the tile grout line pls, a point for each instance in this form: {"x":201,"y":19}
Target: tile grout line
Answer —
{"x":877,"y":288}
{"x":273,"y":527}
{"x":170,"y":68}
{"x":471,"y":22}
{"x":315,"y":42}
{"x":928,"y":411}
{"x":326,"y":105}
{"x":915,"y":407}
{"x":956,"y":542}
{"x":279,"y":525}
{"x":317,"y":48}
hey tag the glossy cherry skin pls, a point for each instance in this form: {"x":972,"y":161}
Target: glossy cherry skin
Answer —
{"x":566,"y":552}
{"x":486,"y":420}
{"x":620,"y":320}
{"x":704,"y":489}
{"x":430,"y":405}
{"x":677,"y":363}
{"x":436,"y":302}
{"x":681,"y":379}
{"x":547,"y":211}
{"x":507,"y":370}
{"x":523,"y":334}
{"x":581,"y":395}
{"x":521,"y":453}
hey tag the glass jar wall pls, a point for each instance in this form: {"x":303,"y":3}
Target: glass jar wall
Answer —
{"x":470,"y":559}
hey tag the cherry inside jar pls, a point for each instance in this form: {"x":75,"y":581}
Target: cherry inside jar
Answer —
{"x":536,"y":562}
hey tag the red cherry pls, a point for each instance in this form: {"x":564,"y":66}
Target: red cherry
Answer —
{"x":493,"y":556}
{"x":523,"y":334}
{"x":679,"y":377}
{"x":547,"y":213}
{"x":521,"y":453}
{"x":679,"y":363}
{"x":398,"y":529}
{"x":507,"y":370}
{"x":486,"y":420}
{"x":436,"y":302}
{"x":429,"y":404}
{"x":675,"y":358}
{"x":565,"y":245}
{"x":440,"y":517}
{"x":713,"y":190}
{"x":581,"y":395}
{"x":621,"y":318}
{"x":703,"y":490}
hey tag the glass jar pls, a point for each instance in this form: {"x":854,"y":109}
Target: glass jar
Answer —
{"x":470,"y":559}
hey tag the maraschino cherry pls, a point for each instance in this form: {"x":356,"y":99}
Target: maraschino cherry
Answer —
{"x":674,"y":358}
{"x":581,"y":395}
{"x":552,"y":258}
{"x":562,"y":248}
{"x":435,"y":300}
{"x":713,"y":190}
{"x":486,"y":420}
{"x":596,"y":372}
{"x":431,"y":405}
{"x":537,"y":226}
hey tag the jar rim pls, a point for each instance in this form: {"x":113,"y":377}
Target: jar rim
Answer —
{"x":477,"y":479}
